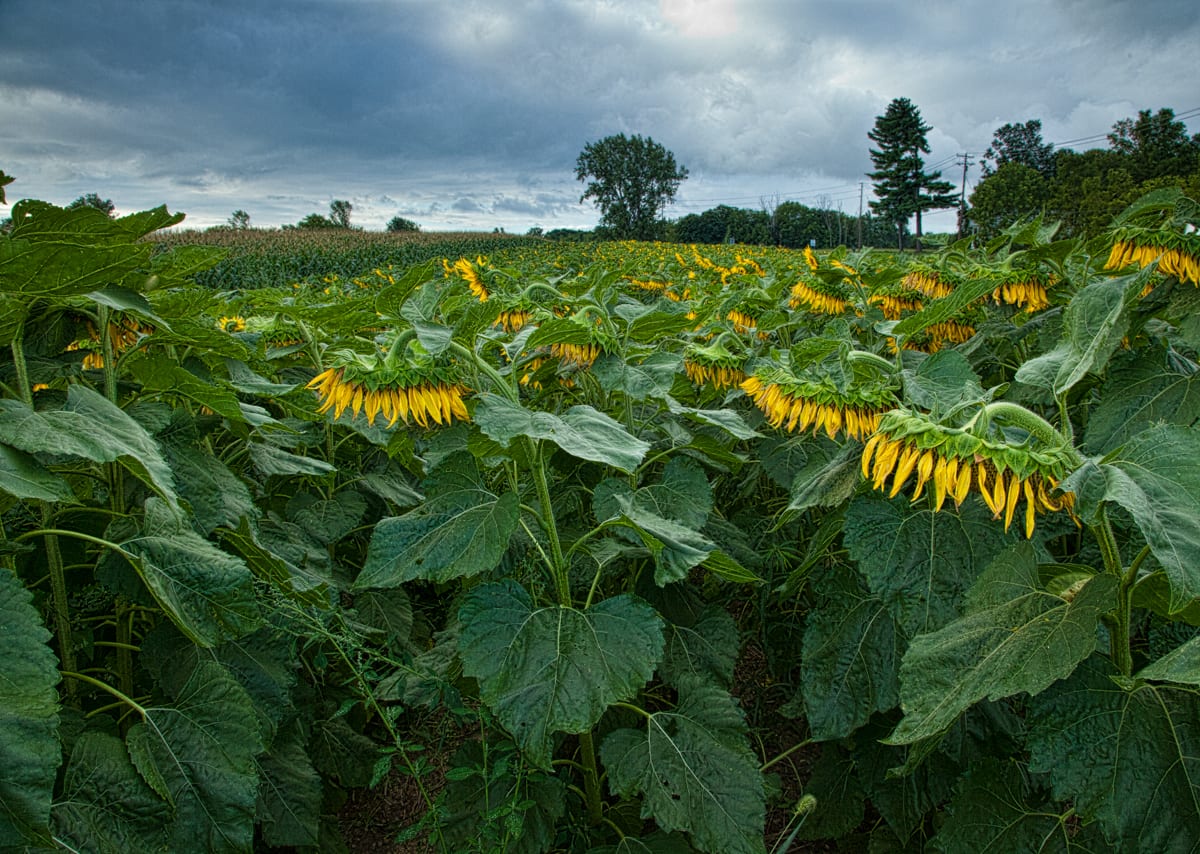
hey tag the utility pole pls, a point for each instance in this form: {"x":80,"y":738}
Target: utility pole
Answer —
{"x":962,"y":195}
{"x":860,"y":203}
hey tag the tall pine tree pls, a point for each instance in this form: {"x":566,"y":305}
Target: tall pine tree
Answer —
{"x":902,"y":186}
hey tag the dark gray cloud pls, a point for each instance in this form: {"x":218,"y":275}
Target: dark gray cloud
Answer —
{"x":471,"y":114}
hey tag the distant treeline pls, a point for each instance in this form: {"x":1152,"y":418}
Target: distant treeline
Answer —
{"x":788,"y":224}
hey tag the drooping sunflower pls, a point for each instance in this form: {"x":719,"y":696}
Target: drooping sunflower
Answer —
{"x":929,"y":281}
{"x":713,"y":364}
{"x":123,"y":331}
{"x":1177,"y":254}
{"x":794,"y":402}
{"x":514,"y":318}
{"x":895,"y":300}
{"x":398,"y":391}
{"x":820,"y":296}
{"x":953,"y":462}
{"x":1023,"y":288}
{"x":583,"y":340}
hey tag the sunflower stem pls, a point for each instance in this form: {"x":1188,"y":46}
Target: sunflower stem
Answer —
{"x":62,"y":608}
{"x":1035,"y":425}
{"x":558,"y":567}
{"x":876,"y":361}
{"x":591,"y":778}
{"x":1118,"y":636}
{"x":104,"y":686}
{"x":22,"y":369}
{"x":401,"y":340}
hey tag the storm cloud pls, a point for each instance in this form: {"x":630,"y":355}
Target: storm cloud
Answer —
{"x":469,"y":115}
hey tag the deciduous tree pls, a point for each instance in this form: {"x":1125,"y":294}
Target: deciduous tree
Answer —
{"x":631,"y":180}
{"x":1020,"y":143}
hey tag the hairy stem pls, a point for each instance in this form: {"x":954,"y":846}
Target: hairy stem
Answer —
{"x":591,"y":778}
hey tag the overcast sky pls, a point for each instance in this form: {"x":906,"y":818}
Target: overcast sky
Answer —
{"x":470,"y":114}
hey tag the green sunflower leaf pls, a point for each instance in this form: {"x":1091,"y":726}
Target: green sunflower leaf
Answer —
{"x":920,"y":563}
{"x":24,"y":477}
{"x":552,"y":669}
{"x":581,"y":431}
{"x":694,"y":770}
{"x":1094,"y":322}
{"x":1141,"y":393}
{"x":105,"y":805}
{"x":993,"y":811}
{"x":462,"y":529}
{"x":91,"y":427}
{"x":289,"y":791}
{"x":1020,"y":639}
{"x":1125,"y":753}
{"x":208,"y":593}
{"x":1156,"y":477}
{"x":651,"y":377}
{"x":29,"y":750}
{"x":851,"y":661}
{"x":198,"y":752}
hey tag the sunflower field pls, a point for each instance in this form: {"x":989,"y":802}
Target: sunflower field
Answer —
{"x":612,"y":547}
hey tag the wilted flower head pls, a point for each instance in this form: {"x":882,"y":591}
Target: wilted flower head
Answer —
{"x":955,"y":462}
{"x":713,"y":364}
{"x":1177,"y":254}
{"x":425,"y":393}
{"x":794,"y":402}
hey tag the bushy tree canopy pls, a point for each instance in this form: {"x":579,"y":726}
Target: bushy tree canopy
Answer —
{"x":631,"y":180}
{"x":93,"y":200}
{"x":1020,"y":143}
{"x":399,"y":223}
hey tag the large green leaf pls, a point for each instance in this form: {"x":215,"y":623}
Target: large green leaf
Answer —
{"x":269,"y":460}
{"x":581,"y":431}
{"x":941,"y":382}
{"x":675,"y":548}
{"x":851,"y":661}
{"x":161,"y":373}
{"x":91,"y":427}
{"x":208,"y":593}
{"x":289,"y":791}
{"x":918,"y":561}
{"x":105,"y":805}
{"x":553,"y":669}
{"x":29,"y":749}
{"x":463,"y":528}
{"x":1181,"y":665}
{"x":1127,"y":755}
{"x":23,"y":476}
{"x":328,"y":520}
{"x":992,"y":811}
{"x":1094,"y":323}
{"x":683,"y":492}
{"x":1016,"y":638}
{"x":1142,"y":393}
{"x":943,"y":309}
{"x":51,"y":269}
{"x":703,"y":648}
{"x":1156,"y":477}
{"x":694,"y":770}
{"x":217,"y":496}
{"x":726,"y":419}
{"x":198,"y":751}
{"x":651,"y":377}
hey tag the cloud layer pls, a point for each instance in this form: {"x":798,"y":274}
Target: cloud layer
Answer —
{"x":471,"y":114}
